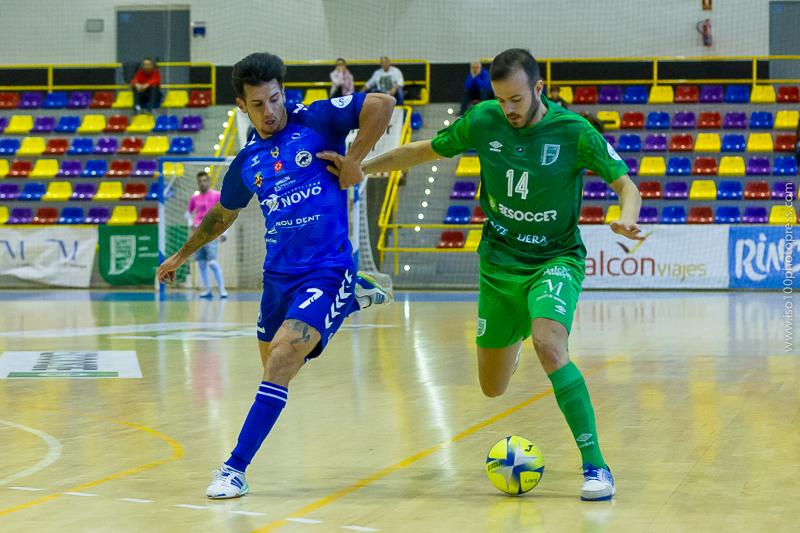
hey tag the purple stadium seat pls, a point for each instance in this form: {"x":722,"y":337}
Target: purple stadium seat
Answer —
{"x":79,"y":100}
{"x":191,"y":123}
{"x":684,"y":120}
{"x":610,"y":139}
{"x":145,"y":167}
{"x":758,"y":166}
{"x":711,"y":94}
{"x":106,"y":145}
{"x":463,"y":190}
{"x":611,"y":94}
{"x":69,"y":169}
{"x":44,"y":124}
{"x":83,"y":191}
{"x":648,"y":214}
{"x":633,"y":166}
{"x":755,"y":215}
{"x":3,"y":123}
{"x":735,"y":120}
{"x":30,"y":100}
{"x":595,"y":190}
{"x":98,"y":215}
{"x":676,"y":190}
{"x":655,"y":143}
{"x":9,"y":191}
{"x":782,"y":189}
{"x":727,"y":215}
{"x":21,"y":215}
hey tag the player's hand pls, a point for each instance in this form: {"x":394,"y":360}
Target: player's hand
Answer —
{"x":347,"y":170}
{"x":166,"y":271}
{"x":630,"y":230}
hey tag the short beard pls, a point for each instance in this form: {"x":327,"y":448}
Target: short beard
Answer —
{"x":535,"y":104}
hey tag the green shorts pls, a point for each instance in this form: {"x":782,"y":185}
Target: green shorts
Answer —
{"x":510,"y":299}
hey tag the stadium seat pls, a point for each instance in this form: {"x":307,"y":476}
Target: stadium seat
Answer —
{"x":134,"y":191}
{"x":781,"y":215}
{"x":735,"y":120}
{"x":788,"y":94}
{"x":734,"y":142}
{"x":629,"y":142}
{"x":68,"y":124}
{"x":102,"y":100}
{"x":632,"y":120}
{"x":478,"y":216}
{"x":700,"y":215}
{"x":727,"y":215}
{"x":191,"y":123}
{"x":703,"y":190}
{"x":155,"y":145}
{"x":148,"y":215}
{"x":181,"y":145}
{"x":312,"y":95}
{"x":595,"y":190}
{"x":585,"y":95}
{"x":416,"y":120}
{"x":566,"y":94}
{"x":58,"y":191}
{"x":55,"y":100}
{"x":609,"y":119}
{"x":761,"y":120}
{"x":673,"y":214}
{"x":9,"y":191}
{"x":755,"y":215}
{"x":9,"y":146}
{"x":172,"y":170}
{"x":731,"y":165}
{"x":709,"y":120}
{"x":737,"y":94}
{"x":131,"y":145}
{"x":95,"y":168}
{"x":152,"y":192}
{"x":650,"y":189}
{"x":19,"y":169}
{"x":784,"y":166}
{"x":592,"y":214}
{"x":610,"y":139}
{"x":3,"y":168}
{"x":730,"y":190}
{"x":83,"y":191}
{"x":98,"y":215}
{"x":199,"y":98}
{"x":123,"y":100}
{"x":44,"y":168}
{"x":711,"y":94}
{"x":45,"y":215}
{"x":145,"y":168}
{"x":44,"y":124}
{"x":4,"y":214}
{"x":635,"y":94}
{"x":142,"y":124}
{"x":9,"y":100}
{"x":473,"y":240}
{"x":120,"y":168}
{"x":108,"y":191}
{"x":92,"y":124}
{"x":763,"y":94}
{"x":758,"y":166}
{"x":116,"y":124}
{"x":676,"y":190}
{"x":661,"y":94}
{"x":633,"y":165}
{"x":707,"y":143}
{"x":686,"y":94}
{"x":30,"y":100}
{"x":463,"y":190}
{"x":165,"y":123}
{"x":684,"y":120}
{"x":681,"y":143}
{"x":612,"y":214}
{"x":20,"y":215}
{"x":451,"y":239}
{"x":648,"y":214}
{"x":610,"y":94}
{"x":81,"y":146}
{"x":175,"y":99}
{"x":656,"y":142}
{"x":106,"y":146}
{"x":71,"y":215}
{"x":783,"y":189}
{"x":657,"y":120}
{"x":786,"y":143}
{"x":69,"y":169}
{"x":457,"y":214}
{"x":32,"y":191}
{"x":31,"y":146}
{"x":652,"y":166}
{"x":787,"y":119}
{"x":123,"y":215}
{"x":3,"y":124}
{"x":468,"y":166}
{"x":757,"y":190}
{"x":79,"y":100}
{"x":19,"y":125}
{"x":679,"y":166}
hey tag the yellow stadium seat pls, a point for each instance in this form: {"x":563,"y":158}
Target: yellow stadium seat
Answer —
{"x":124,"y":100}
{"x":173,"y":170}
{"x":3,"y":214}
{"x":759,"y":142}
{"x":58,"y":191}
{"x":19,"y":125}
{"x":3,"y":168}
{"x":661,"y":94}
{"x":312,"y":95}
{"x":473,"y":239}
{"x":468,"y":166}
{"x":45,"y":168}
{"x":155,"y":145}
{"x":703,"y":190}
{"x":781,"y":215}
{"x":707,"y":142}
{"x":787,"y":120}
{"x":652,"y":166}
{"x":565,"y":93}
{"x":92,"y":124}
{"x":613,"y":214}
{"x":109,"y":190}
{"x":609,"y":119}
{"x":176,"y":99}
{"x":142,"y":124}
{"x":31,"y":146}
{"x":123,"y":215}
{"x":731,"y":165}
{"x":762,"y":94}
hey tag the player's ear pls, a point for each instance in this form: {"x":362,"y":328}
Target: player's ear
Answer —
{"x":240,"y":104}
{"x":538,"y":87}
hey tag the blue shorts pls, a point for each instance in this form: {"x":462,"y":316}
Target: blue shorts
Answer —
{"x":207,"y":252}
{"x":320,"y":298}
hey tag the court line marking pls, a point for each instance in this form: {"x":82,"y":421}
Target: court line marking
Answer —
{"x":190,"y":506}
{"x":136,"y":500}
{"x":408,"y":461}
{"x":359,"y":528}
{"x":177,"y":453}
{"x":31,"y":489}
{"x":249,"y":513}
{"x":84,"y":494}
{"x":53,"y":452}
{"x":304,"y":520}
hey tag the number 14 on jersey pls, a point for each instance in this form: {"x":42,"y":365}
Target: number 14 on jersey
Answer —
{"x":522,"y":185}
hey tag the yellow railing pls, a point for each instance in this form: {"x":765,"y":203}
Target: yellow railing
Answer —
{"x":52,"y":86}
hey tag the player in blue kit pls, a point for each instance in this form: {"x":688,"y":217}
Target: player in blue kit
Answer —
{"x":310,"y":284}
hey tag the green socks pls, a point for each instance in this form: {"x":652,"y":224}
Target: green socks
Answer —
{"x":573,"y":399}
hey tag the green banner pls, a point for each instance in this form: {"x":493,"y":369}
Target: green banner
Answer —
{"x":128,"y":254}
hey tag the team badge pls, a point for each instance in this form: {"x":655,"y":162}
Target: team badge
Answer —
{"x":275,"y":152}
{"x":342,"y":101}
{"x":303,"y":158}
{"x":278,"y":166}
{"x":550,"y":154}
{"x":258,"y":179}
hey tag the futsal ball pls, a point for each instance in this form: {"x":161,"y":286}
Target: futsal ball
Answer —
{"x":515,"y":465}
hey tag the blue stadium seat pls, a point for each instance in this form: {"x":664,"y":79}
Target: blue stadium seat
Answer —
{"x":416,"y":120}
{"x":635,"y":94}
{"x":761,"y":120}
{"x":737,"y":94}
{"x":55,"y":100}
{"x":181,"y":145}
{"x":166,"y":123}
{"x":81,"y":146}
{"x":679,"y":166}
{"x":629,"y":142}
{"x":729,"y":190}
{"x":68,"y":124}
{"x":785,"y":166}
{"x":727,"y":215}
{"x":673,"y":214}
{"x":294,"y":97}
{"x":457,"y":214}
{"x":733,"y":142}
{"x":33,"y":191}
{"x":657,"y":120}
{"x":152,"y":192}
{"x":71,"y":215}
{"x":9,"y":146}
{"x":95,"y":168}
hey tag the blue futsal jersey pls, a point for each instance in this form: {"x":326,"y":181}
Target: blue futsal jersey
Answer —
{"x":304,"y":209}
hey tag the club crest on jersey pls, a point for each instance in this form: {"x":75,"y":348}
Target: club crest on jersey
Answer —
{"x":342,"y":101}
{"x":275,"y":152}
{"x":550,"y":154}
{"x":278,"y":166}
{"x":303,"y":158}
{"x":258,"y":179}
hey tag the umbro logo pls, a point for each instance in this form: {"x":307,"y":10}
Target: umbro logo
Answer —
{"x":495,"y":146}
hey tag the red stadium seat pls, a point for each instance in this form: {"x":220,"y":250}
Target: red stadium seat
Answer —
{"x":785,"y":143}
{"x":102,"y":100}
{"x":700,"y":215}
{"x":116,"y":123}
{"x":451,"y":239}
{"x":19,"y":169}
{"x":134,"y":191}
{"x":709,"y":120}
{"x":131,"y":145}
{"x":46,"y":215}
{"x":756,"y":190}
{"x":632,"y":120}
{"x":686,"y":94}
{"x":199,"y":99}
{"x":592,"y":214}
{"x":9,"y":100}
{"x":585,"y":95}
{"x":788,"y":94}
{"x":705,"y":166}
{"x":120,"y":168}
{"x":478,"y":216}
{"x":56,"y":146}
{"x":681,"y":143}
{"x":650,"y":189}
{"x":148,"y":215}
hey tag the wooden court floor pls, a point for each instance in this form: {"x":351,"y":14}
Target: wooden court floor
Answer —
{"x":698,"y":405}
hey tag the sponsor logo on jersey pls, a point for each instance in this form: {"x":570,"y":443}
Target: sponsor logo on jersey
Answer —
{"x":550,"y":154}
{"x":303,"y":158}
{"x":527,"y":216}
{"x":278,"y":166}
{"x":613,"y":153}
{"x":258,"y":179}
{"x":283,"y":183}
{"x":558,"y":271}
{"x":275,"y":152}
{"x":495,"y":146}
{"x":274,"y":202}
{"x":342,"y":101}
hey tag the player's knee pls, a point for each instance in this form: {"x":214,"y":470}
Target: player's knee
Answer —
{"x":283,"y":362}
{"x":551,"y":351}
{"x":493,"y":388}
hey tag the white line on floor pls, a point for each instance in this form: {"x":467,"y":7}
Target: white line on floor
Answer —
{"x":53,"y":452}
{"x":304,"y":520}
{"x":359,"y":528}
{"x":25,"y":488}
{"x":189,"y":506}
{"x":136,"y":500}
{"x":248,"y":513}
{"x":85,"y":494}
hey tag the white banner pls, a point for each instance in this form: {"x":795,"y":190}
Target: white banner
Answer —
{"x":51,"y":255}
{"x":671,"y":257}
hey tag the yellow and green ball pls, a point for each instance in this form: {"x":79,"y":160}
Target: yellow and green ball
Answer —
{"x":515,"y":465}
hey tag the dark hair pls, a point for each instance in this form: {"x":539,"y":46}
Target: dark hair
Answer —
{"x":202,"y":173}
{"x":341,"y":59}
{"x":257,"y":69}
{"x":508,"y":61}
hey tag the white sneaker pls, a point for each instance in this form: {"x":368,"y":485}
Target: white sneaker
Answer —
{"x":369,"y":292}
{"x":227,"y":483}
{"x":598,"y":484}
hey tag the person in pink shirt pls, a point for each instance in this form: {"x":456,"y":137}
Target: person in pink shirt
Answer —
{"x":341,"y":80}
{"x":201,"y":203}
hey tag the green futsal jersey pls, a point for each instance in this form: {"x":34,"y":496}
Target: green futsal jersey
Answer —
{"x":531,"y":179}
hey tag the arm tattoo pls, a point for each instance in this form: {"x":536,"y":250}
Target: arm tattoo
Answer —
{"x":301,"y":330}
{"x":213,"y":225}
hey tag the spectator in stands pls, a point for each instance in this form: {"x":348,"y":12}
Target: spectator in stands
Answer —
{"x":146,"y":87}
{"x":388,"y":79}
{"x":341,"y":80}
{"x":477,"y":87}
{"x":555,"y":97}
{"x":200,"y":204}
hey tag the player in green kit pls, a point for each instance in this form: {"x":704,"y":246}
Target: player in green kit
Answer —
{"x":533,"y":154}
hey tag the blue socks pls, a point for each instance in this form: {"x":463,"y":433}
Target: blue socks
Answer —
{"x":270,"y":401}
